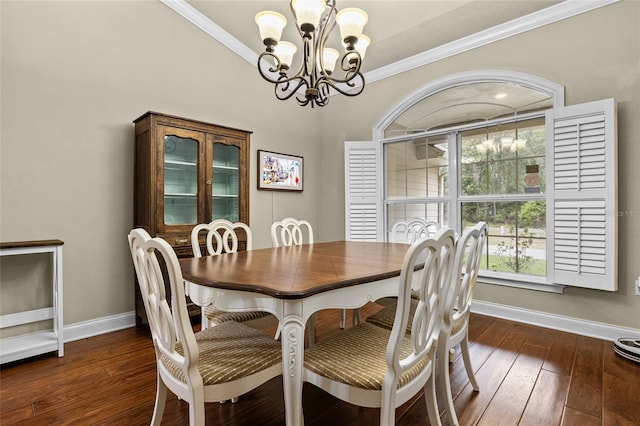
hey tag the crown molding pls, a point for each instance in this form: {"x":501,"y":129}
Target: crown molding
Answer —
{"x":555,"y":13}
{"x":558,"y":12}
{"x":214,"y":30}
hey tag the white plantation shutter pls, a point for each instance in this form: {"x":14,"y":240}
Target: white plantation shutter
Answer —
{"x":583,"y":199}
{"x":363,"y":216}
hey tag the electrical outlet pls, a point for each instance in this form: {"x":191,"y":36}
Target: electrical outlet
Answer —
{"x":637,"y":286}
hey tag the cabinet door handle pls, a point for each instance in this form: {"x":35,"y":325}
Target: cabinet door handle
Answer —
{"x":182,"y":241}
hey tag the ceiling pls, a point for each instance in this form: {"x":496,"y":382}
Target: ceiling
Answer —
{"x":398,"y":29}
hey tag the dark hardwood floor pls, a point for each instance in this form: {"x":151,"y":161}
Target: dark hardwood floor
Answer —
{"x":527,"y":376}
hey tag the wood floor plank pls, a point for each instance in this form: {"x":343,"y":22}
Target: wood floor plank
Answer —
{"x":480,"y":348}
{"x":561,"y":353}
{"x":621,"y":389}
{"x":547,"y":400}
{"x":510,"y":400}
{"x":471,"y":405}
{"x":585,"y":390}
{"x":573,"y":417}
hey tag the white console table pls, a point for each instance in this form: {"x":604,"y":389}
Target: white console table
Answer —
{"x":18,"y":347}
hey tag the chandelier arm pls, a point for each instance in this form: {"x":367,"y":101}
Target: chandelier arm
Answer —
{"x":322,"y":102}
{"x":323,"y":93}
{"x":287,"y":90}
{"x":350,"y":63}
{"x":335,"y":85}
{"x":307,"y":59}
{"x":272,"y":69}
{"x":326,"y":26}
{"x":304,"y":101}
{"x":282,"y":78}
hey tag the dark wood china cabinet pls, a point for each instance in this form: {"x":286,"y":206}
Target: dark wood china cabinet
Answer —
{"x":187,"y":172}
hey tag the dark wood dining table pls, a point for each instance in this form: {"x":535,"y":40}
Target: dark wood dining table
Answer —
{"x":293,"y":283}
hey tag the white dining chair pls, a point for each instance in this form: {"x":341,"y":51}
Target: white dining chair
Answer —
{"x":222,"y":237}
{"x":290,"y":231}
{"x":225,"y":234}
{"x":456,"y":308}
{"x":375,"y":366}
{"x":214,"y":364}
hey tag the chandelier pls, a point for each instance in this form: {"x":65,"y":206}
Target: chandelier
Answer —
{"x":316,"y":76}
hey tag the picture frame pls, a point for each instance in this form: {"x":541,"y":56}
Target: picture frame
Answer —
{"x":280,"y":172}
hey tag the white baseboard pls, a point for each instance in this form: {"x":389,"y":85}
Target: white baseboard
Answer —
{"x":582,"y":327}
{"x":556,"y":322}
{"x":82,"y":330}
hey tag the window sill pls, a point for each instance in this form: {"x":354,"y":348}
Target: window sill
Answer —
{"x":530,"y":283}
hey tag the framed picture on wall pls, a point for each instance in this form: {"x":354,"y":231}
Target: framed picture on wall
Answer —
{"x":278,"y":171}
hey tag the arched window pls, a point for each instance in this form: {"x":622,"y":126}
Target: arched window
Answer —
{"x":485,"y":145}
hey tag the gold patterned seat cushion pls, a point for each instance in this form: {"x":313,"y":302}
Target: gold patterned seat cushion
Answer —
{"x":225,"y":355}
{"x":217,"y":317}
{"x":385,"y":317}
{"x":356,"y":357}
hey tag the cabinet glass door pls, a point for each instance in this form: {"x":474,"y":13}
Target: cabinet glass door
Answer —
{"x":180,"y":180}
{"x":226,"y":182}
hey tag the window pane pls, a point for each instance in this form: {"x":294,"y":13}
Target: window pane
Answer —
{"x":417,"y":169}
{"x":396,"y":166}
{"x":502,"y":177}
{"x":494,"y":160}
{"x":516,"y":235}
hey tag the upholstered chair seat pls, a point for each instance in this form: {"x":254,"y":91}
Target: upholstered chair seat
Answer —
{"x":357,"y":358}
{"x":385,"y":316}
{"x":223,"y":355}
{"x":216,"y":317}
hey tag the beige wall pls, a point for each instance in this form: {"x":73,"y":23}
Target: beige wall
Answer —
{"x":595,"y":55}
{"x":75,"y":74}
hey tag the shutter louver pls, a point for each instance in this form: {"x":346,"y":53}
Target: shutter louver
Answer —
{"x":584,"y":198}
{"x":362,"y":173}
{"x":580,"y":236}
{"x":362,"y":221}
{"x":579,"y":152}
